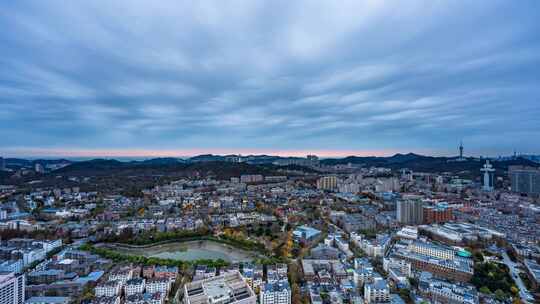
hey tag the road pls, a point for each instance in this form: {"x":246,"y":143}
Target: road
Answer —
{"x":524,"y":294}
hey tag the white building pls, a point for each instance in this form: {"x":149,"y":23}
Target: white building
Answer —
{"x":122,"y":275}
{"x":108,"y":289}
{"x":50,"y":245}
{"x":134,"y":286}
{"x":408,"y":232}
{"x":275,"y":293}
{"x":11,"y":288}
{"x":229,"y":288}
{"x":30,"y":256}
{"x":432,"y":250}
{"x":377,"y":292}
{"x":161,"y":285}
{"x":372,"y":247}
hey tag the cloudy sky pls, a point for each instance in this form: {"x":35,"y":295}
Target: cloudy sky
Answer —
{"x":281,"y":77}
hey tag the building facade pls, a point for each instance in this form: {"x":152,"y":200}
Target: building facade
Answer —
{"x":12,"y":287}
{"x":409,"y":212}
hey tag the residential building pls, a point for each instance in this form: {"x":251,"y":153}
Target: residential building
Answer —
{"x":15,"y":266}
{"x":108,"y":289}
{"x":133,"y":286}
{"x":409,"y":212}
{"x":275,"y":293}
{"x":440,"y":213}
{"x":327,"y":183}
{"x":377,"y":291}
{"x":12,"y":288}
{"x":525,"y":179}
{"x":439,"y":291}
{"x":161,"y":285}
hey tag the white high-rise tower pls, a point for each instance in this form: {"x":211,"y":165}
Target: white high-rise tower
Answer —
{"x":489,"y":173}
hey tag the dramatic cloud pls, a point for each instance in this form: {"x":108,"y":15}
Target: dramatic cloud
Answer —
{"x":332,"y":77}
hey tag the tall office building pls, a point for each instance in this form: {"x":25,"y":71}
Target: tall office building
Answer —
{"x":11,"y":288}
{"x":525,"y":179}
{"x":410,"y":212}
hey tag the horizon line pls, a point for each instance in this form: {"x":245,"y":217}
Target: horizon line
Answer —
{"x":186,"y":153}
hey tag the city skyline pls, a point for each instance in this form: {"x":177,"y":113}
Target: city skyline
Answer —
{"x":181,"y":79}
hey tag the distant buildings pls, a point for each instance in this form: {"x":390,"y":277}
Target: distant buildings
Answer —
{"x":39,"y":168}
{"x":251,"y":178}
{"x":409,"y":212}
{"x":328,"y":183}
{"x":11,"y":288}
{"x":2,"y":164}
{"x":309,"y":161}
{"x":525,"y":179}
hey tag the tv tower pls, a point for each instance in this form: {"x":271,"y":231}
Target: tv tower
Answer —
{"x":488,"y":176}
{"x":461,"y":150}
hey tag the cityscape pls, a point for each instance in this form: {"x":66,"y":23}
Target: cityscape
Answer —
{"x":269,"y":229}
{"x":270,"y":152}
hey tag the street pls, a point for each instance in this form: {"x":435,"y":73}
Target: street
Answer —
{"x":525,"y":295}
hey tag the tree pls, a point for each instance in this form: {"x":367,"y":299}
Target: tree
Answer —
{"x":500,"y":295}
{"x":296,"y":296}
{"x":485,"y":290}
{"x":514,"y":290}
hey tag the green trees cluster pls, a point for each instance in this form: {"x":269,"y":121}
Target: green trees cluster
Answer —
{"x":493,"y":278}
{"x":150,"y":238}
{"x":142,"y":260}
{"x":241,"y":243}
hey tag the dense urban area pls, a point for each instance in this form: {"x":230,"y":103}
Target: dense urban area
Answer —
{"x":271,"y":230}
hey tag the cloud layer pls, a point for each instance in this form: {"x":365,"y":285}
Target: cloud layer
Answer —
{"x":358,"y":76}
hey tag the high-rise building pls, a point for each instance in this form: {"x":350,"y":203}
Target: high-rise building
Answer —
{"x":409,"y":212}
{"x":11,"y":288}
{"x":2,"y":164}
{"x":327,"y":183}
{"x":525,"y":179}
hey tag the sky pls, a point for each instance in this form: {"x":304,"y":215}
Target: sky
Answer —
{"x":333,"y":78}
